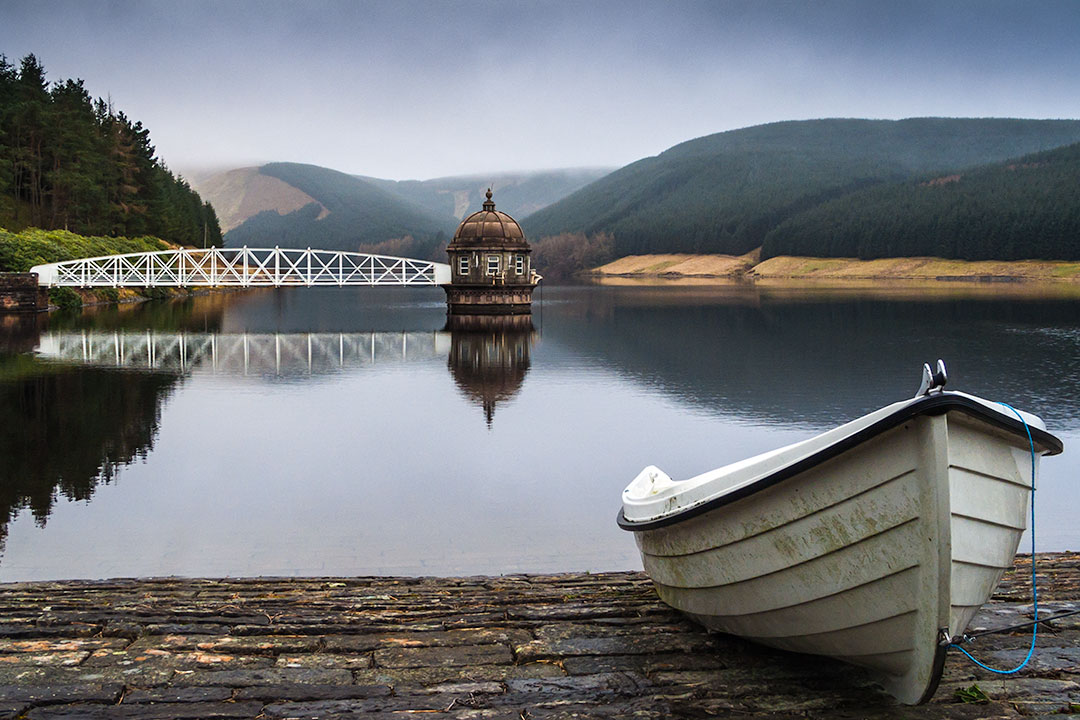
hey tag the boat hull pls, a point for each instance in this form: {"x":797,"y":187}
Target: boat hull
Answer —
{"x":873,"y":556}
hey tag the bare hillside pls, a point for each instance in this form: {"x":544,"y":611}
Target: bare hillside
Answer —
{"x":243,"y":193}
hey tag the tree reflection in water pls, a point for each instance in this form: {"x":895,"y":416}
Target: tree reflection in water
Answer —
{"x":66,"y":430}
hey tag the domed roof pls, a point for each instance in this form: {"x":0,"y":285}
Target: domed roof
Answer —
{"x":489,"y":229}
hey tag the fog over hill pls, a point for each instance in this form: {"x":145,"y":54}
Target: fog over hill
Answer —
{"x":518,"y":194}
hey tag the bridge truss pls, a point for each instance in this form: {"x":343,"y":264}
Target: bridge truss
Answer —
{"x":242,"y":267}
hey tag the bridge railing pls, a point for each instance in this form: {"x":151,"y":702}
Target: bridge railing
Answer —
{"x":242,"y":267}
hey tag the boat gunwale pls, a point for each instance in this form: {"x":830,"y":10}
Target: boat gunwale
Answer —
{"x":935,"y":404}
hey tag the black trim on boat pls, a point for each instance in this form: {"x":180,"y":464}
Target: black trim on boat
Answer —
{"x":935,"y":404}
{"x":936,"y":673}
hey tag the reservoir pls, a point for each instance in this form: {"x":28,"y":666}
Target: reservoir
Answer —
{"x":343,"y":432}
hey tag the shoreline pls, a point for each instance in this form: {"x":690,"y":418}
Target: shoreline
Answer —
{"x":508,"y":647}
{"x":749,"y":268}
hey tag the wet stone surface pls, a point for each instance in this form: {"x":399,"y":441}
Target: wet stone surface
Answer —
{"x":515,"y":647}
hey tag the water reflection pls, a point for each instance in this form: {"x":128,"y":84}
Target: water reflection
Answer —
{"x":20,"y":333}
{"x":812,"y":357}
{"x":364,"y":410}
{"x":199,"y":313}
{"x":71,"y":420}
{"x":278,"y":354}
{"x":490,"y":357}
{"x":66,"y":430}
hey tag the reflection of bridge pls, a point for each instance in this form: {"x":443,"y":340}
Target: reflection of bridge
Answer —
{"x":242,"y":354}
{"x":242,"y":267}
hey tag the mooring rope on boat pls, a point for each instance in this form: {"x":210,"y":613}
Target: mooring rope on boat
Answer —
{"x":1034,"y":590}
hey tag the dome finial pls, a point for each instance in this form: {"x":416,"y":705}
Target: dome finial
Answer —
{"x":489,"y":204}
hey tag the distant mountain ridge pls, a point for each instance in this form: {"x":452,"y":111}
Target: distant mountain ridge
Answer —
{"x":728,"y":193}
{"x":724,"y":193}
{"x":345,"y":213}
{"x":292,"y":204}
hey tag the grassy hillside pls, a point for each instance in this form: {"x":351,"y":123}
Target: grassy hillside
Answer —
{"x":725,"y":193}
{"x":1015,"y":210}
{"x":245,"y":192}
{"x":347,"y":213}
{"x":516,"y":193}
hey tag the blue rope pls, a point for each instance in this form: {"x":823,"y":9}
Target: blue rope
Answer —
{"x":1034,"y":591}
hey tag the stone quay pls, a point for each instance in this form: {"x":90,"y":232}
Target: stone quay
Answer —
{"x":20,"y":293}
{"x":512,"y":647}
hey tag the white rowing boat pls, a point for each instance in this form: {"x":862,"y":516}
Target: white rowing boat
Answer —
{"x":875,"y":542}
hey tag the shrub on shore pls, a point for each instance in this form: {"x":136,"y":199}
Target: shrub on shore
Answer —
{"x":560,"y":257}
{"x":23,"y":250}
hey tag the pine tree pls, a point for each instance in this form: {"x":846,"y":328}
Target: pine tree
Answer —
{"x":72,"y":145}
{"x":27,"y":136}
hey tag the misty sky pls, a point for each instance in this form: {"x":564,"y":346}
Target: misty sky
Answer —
{"x":425,"y":89}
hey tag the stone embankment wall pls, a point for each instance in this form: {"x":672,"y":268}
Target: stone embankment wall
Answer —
{"x":501,"y":648}
{"x":20,"y":292}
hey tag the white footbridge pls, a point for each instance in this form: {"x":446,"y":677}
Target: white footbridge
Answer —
{"x":243,"y":267}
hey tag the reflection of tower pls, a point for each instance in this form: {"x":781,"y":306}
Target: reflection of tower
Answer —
{"x":490,"y":269}
{"x":489,"y":356}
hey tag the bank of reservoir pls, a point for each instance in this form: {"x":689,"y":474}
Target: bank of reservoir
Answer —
{"x":750,"y":267}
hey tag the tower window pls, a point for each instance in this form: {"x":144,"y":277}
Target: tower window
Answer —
{"x":492,"y":264}
{"x":519,"y":264}
{"x":463,"y":265}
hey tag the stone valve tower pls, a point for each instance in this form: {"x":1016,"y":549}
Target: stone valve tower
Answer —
{"x":490,"y":271}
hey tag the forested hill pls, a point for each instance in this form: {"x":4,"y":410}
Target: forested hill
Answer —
{"x":343,"y":213}
{"x":1020,"y":209}
{"x":68,"y":162}
{"x":725,"y":193}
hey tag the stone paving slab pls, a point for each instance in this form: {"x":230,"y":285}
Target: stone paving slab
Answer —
{"x":515,"y":648}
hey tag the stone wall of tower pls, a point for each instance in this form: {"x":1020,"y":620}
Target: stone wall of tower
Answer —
{"x":489,"y":299}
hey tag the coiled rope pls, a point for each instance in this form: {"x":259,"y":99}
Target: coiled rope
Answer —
{"x":1034,"y":589}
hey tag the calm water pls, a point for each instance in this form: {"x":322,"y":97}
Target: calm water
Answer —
{"x":345,"y":432}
